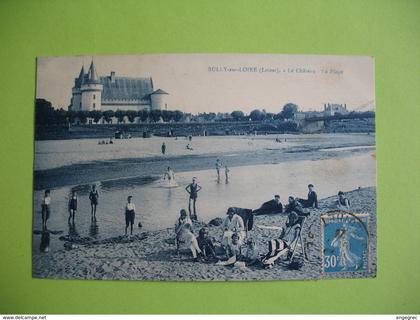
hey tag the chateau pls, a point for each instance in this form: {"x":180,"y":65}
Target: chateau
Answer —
{"x":91,"y":92}
{"x":331,"y":109}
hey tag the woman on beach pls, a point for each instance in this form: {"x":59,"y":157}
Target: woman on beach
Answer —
{"x":179,"y":227}
{"x":72,"y":205}
{"x":45,"y":208}
{"x":130,"y":212}
{"x":93,"y":197}
{"x":193,"y":189}
{"x":188,"y":238}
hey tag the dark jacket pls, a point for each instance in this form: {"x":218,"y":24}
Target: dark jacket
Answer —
{"x":311,"y":202}
{"x":247,"y":217}
{"x":269,"y":207}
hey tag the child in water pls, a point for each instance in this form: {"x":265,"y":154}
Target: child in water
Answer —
{"x":130,"y":212}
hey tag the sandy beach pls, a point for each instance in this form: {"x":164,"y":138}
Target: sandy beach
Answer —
{"x":152,"y":255}
{"x":84,"y":162}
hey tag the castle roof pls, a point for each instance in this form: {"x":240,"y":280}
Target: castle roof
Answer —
{"x":125,"y":88}
{"x":159,"y":91}
{"x":92,"y":75}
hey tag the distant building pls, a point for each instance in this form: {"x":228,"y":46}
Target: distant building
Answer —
{"x":91,"y":92}
{"x":331,"y":109}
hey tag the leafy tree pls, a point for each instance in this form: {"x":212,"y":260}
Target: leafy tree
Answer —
{"x":143,"y":114}
{"x":96,"y":115}
{"x":256,"y":115}
{"x":178,"y":115}
{"x":108,"y":114}
{"x":82,"y":115}
{"x":120,"y":115}
{"x":289,"y":110}
{"x":131,"y":114}
{"x":237,"y":115}
{"x":44,"y":112}
{"x":155,"y":115}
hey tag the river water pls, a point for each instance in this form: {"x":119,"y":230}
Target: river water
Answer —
{"x":158,"y":206}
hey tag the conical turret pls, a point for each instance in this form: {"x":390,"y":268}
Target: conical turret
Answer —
{"x":92,"y":75}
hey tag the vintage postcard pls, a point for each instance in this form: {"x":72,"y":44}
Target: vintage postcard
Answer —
{"x":204,"y":167}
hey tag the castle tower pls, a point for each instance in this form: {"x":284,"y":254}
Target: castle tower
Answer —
{"x":158,"y":100}
{"x":91,"y":90}
{"x":76,"y":100}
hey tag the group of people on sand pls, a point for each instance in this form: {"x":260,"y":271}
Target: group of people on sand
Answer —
{"x":100,"y":142}
{"x":236,"y":247}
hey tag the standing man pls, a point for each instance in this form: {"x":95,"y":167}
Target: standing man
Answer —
{"x":93,"y":197}
{"x":130,"y":212}
{"x":193,"y":189}
{"x":45,"y":208}
{"x":163,"y":148}
{"x":218,"y":167}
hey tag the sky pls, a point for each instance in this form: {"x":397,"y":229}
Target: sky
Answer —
{"x":200,"y":83}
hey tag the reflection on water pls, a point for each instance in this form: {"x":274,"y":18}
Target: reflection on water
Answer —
{"x":73,"y":230}
{"x":94,"y":229}
{"x":158,"y":205}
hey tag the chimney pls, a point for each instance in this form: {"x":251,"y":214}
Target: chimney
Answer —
{"x":112,"y":76}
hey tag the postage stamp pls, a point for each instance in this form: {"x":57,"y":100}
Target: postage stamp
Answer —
{"x":345,"y":242}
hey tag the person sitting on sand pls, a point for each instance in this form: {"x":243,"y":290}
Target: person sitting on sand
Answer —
{"x":45,"y":208}
{"x":189,"y":147}
{"x":93,"y":197}
{"x":188,"y":238}
{"x":342,"y":202}
{"x":130,"y":212}
{"x":295,"y":219}
{"x":72,"y":205}
{"x":171,"y":177}
{"x":179,"y":226}
{"x":233,"y":251}
{"x":270,"y":207}
{"x":232,"y":224}
{"x":312,"y":201}
{"x":206,"y":243}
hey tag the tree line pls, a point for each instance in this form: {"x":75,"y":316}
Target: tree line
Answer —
{"x":46,"y":114}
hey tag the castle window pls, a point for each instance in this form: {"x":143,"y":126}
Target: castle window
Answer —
{"x":94,"y":96}
{"x":93,"y":106}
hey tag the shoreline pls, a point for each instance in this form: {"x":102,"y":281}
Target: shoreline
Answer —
{"x":125,"y":168}
{"x":151,"y":255}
